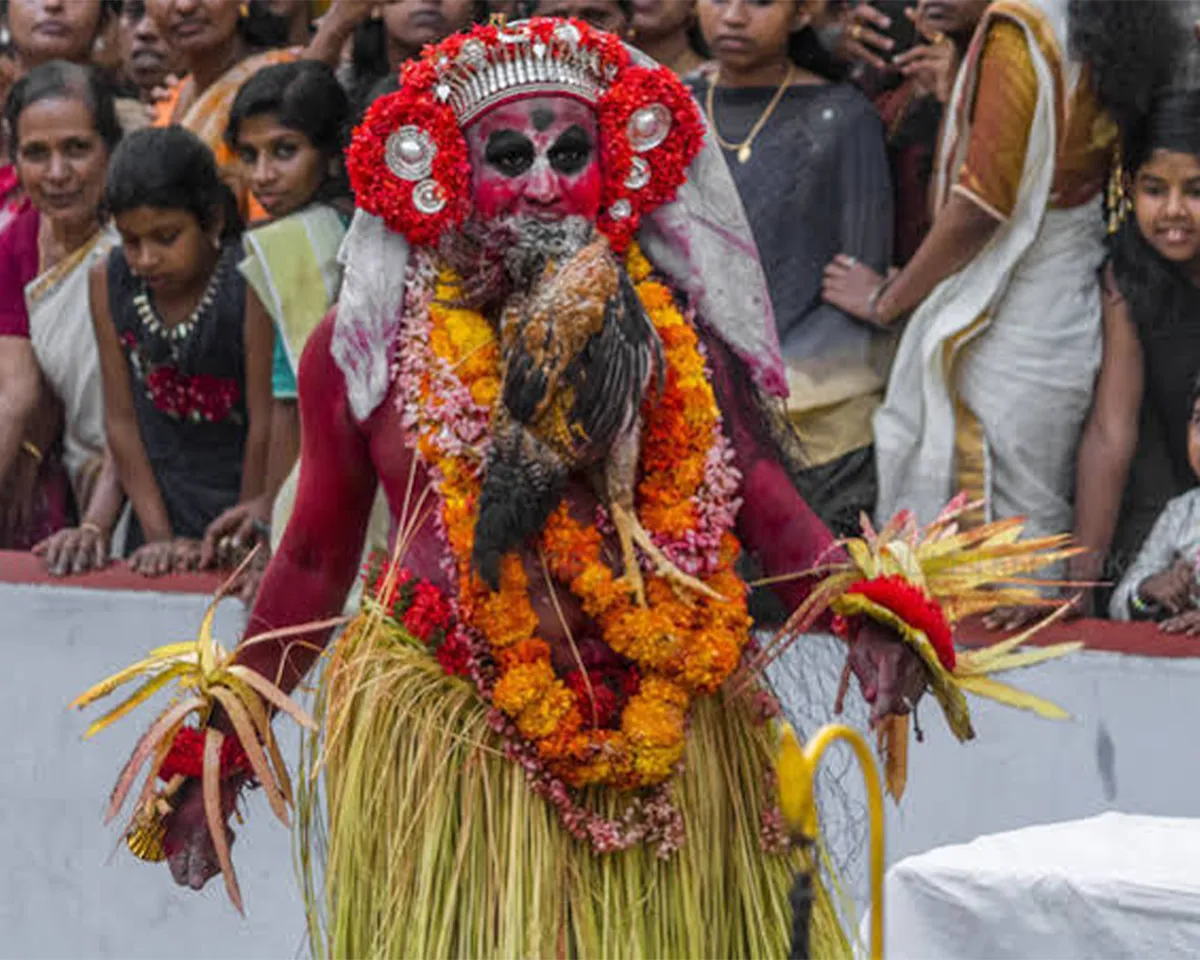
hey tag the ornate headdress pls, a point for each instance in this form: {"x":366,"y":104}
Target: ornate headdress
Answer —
{"x":663,"y":183}
{"x":408,"y":162}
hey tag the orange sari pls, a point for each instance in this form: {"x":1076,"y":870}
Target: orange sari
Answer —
{"x":208,"y":116}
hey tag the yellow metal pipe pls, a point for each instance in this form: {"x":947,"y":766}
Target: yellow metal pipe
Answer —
{"x":797,"y":775}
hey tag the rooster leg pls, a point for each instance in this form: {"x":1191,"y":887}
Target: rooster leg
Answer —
{"x":624,"y":524}
{"x":626,"y":519}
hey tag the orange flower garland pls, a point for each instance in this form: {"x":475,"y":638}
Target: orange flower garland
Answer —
{"x":682,"y":647}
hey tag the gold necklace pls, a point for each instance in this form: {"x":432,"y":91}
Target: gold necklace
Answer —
{"x":744,"y":148}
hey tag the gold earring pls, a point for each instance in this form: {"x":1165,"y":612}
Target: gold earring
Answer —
{"x":244,"y":11}
{"x":1117,"y":197}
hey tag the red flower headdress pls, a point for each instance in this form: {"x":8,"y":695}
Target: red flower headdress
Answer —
{"x":408,"y":161}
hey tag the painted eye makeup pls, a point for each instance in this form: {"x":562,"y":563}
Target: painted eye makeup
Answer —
{"x":509,"y":152}
{"x":571,"y":151}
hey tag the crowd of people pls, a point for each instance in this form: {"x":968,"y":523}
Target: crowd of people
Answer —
{"x":979,"y":225}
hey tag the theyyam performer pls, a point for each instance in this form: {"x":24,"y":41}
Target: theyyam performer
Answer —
{"x":547,"y":733}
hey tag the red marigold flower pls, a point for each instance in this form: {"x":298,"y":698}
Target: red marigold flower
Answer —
{"x":916,"y":608}
{"x":454,"y":655}
{"x":186,"y":756}
{"x":428,"y":613}
{"x":597,"y":702}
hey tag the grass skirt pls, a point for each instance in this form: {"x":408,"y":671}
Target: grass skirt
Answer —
{"x":427,"y":841}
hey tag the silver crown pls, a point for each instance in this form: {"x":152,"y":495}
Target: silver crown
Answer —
{"x":482,"y":76}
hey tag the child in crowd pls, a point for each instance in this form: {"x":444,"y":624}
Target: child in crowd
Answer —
{"x":286,"y":126}
{"x":1164,"y":581}
{"x":187,"y":383}
{"x":1133,"y":456}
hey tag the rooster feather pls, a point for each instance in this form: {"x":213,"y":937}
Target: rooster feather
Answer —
{"x":579,"y":354}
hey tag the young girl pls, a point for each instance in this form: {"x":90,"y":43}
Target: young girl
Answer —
{"x":286,"y":127}
{"x":186,"y":374}
{"x":809,"y":161}
{"x":1151,"y":356}
{"x":1164,"y":581}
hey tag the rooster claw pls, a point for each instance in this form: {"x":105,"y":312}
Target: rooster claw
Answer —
{"x":630,"y":532}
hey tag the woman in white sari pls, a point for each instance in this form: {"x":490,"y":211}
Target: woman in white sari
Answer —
{"x":995,"y":371}
{"x":64,"y":127}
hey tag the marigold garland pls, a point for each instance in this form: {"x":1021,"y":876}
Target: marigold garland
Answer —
{"x":681,"y":646}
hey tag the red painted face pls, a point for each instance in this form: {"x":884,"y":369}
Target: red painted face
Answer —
{"x":537,"y":158}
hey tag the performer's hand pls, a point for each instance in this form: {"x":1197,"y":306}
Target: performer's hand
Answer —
{"x":190,"y":851}
{"x":890,"y":673}
{"x":1171,"y":589}
{"x":1013,"y":618}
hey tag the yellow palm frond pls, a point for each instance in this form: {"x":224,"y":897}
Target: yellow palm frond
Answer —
{"x":207,"y":678}
{"x":139,"y":696}
{"x":981,"y":662}
{"x":1012,"y":697}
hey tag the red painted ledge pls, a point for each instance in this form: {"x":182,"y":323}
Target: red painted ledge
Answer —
{"x":1138,"y":639}
{"x":17,"y":567}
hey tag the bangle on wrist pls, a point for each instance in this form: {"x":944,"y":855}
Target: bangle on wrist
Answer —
{"x":1140,"y":607}
{"x":876,"y":296}
{"x":31,"y":448}
{"x":90,"y":527}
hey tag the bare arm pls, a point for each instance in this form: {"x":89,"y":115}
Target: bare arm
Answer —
{"x":285,"y":444}
{"x":959,"y":232}
{"x":336,"y":27}
{"x":260,"y":343}
{"x":243,"y":523}
{"x":775,"y":524}
{"x":120,"y":419}
{"x":1110,"y":437}
{"x":20,"y":392}
{"x":310,"y":575}
{"x":107,"y":497}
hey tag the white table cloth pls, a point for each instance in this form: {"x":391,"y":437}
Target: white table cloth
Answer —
{"x":1114,"y":886}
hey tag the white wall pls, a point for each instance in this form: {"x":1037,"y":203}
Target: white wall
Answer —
{"x":1132,"y":746}
{"x":68,"y":888}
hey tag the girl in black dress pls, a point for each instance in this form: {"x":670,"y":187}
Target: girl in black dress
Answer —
{"x":187,"y":385}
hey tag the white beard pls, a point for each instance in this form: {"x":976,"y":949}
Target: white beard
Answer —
{"x":508,"y":255}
